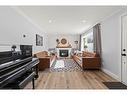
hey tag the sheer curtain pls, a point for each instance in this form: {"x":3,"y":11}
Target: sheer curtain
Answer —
{"x":97,"y":39}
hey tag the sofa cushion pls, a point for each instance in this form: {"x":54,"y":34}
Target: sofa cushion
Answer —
{"x":89,"y":54}
{"x":42,"y":54}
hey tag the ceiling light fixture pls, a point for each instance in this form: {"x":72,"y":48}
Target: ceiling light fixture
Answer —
{"x":83,"y":21}
{"x":50,"y":21}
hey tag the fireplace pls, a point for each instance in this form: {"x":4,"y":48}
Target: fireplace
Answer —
{"x":63,"y":53}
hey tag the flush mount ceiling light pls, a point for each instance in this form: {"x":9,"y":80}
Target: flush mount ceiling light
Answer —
{"x":50,"y":21}
{"x":83,"y":21}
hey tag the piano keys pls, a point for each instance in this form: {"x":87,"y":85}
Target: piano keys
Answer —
{"x":16,"y":70}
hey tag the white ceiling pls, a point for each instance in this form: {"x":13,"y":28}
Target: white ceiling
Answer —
{"x":67,"y":19}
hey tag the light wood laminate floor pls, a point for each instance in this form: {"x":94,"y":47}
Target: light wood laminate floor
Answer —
{"x":89,"y":79}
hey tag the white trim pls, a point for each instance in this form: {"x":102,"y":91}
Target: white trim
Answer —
{"x":110,"y":74}
{"x":82,"y":42}
{"x":121,"y":16}
{"x":120,"y":67}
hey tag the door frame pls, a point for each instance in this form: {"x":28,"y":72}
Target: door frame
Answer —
{"x":121,"y":34}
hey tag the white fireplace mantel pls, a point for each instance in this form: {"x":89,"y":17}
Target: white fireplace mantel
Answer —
{"x":58,"y":51}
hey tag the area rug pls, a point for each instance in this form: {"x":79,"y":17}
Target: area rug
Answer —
{"x":59,"y":64}
{"x":69,"y":66}
{"x":115,"y":85}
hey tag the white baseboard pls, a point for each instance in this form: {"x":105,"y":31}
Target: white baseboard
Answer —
{"x":111,"y":74}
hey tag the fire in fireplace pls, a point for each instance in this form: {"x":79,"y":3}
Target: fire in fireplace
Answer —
{"x":63,"y":53}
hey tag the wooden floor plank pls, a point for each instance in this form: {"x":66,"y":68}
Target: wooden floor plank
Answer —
{"x":87,"y":79}
{"x":72,"y":80}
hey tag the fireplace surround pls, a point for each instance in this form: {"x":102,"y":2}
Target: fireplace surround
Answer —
{"x":63,"y":52}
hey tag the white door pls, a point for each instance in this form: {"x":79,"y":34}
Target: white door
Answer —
{"x":124,"y":49}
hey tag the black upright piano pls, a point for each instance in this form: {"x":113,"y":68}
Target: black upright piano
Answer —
{"x":18,"y":68}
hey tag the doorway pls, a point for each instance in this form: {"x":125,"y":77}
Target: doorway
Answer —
{"x":124,"y":50}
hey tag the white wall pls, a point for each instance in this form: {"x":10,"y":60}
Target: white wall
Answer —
{"x":111,"y":44}
{"x":86,"y":35}
{"x":13,"y":26}
{"x":70,"y":38}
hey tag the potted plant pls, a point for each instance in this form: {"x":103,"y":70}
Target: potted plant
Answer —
{"x":85,"y":47}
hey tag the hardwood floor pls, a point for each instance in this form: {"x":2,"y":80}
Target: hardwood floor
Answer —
{"x":89,"y":79}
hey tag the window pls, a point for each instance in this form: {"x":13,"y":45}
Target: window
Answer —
{"x":87,"y":41}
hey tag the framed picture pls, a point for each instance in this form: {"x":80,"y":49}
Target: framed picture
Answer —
{"x":39,"y":40}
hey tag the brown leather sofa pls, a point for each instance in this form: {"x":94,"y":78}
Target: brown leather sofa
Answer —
{"x":45,"y":60}
{"x":88,"y":60}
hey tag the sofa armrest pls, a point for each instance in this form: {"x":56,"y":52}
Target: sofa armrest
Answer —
{"x":43,"y":57}
{"x":44,"y":63}
{"x":92,"y":59}
{"x":91,"y":62}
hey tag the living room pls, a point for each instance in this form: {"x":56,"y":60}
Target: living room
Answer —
{"x":67,"y":42}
